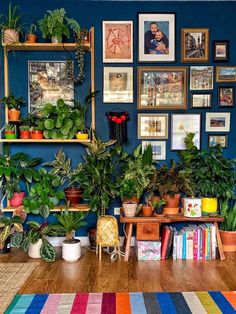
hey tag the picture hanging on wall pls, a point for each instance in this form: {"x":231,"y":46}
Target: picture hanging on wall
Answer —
{"x":153,"y":126}
{"x":156,"y":41}
{"x":162,"y":88}
{"x":117,"y":41}
{"x":201,"y":101}
{"x":201,"y":77}
{"x":217,"y":121}
{"x":194,"y":45}
{"x":118,"y":85}
{"x":226,"y":96}
{"x":158,"y":149}
{"x":181,"y":124}
{"x":47,"y":82}
{"x":226,"y":74}
{"x":217,"y":139}
{"x":220,"y":50}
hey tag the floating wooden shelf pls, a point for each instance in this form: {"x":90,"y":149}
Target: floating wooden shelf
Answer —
{"x":16,"y":141}
{"x":78,"y":208}
{"x":44,"y":46}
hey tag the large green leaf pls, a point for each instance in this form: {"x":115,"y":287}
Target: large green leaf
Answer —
{"x":47,"y":252}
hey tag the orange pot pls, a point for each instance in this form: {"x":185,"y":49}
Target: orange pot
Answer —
{"x":132,"y":199}
{"x":171,"y":211}
{"x":228,"y":239}
{"x":31,"y":38}
{"x":172,"y":201}
{"x":37,"y":135}
{"x":14,"y":115}
{"x":24,"y":134}
{"x":147,"y":210}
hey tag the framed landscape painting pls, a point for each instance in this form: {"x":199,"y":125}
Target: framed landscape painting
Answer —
{"x":117,"y":41}
{"x":217,"y":121}
{"x":153,"y":126}
{"x":201,"y":78}
{"x":226,"y":74}
{"x":162,"y":88}
{"x":194,"y":45}
{"x":158,"y":149}
{"x":156,"y":40}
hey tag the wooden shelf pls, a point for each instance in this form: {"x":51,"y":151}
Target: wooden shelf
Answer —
{"x":44,"y":46}
{"x":16,"y":141}
{"x":78,"y":208}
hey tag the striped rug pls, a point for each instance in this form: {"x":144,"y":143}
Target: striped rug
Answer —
{"x":211,"y":302}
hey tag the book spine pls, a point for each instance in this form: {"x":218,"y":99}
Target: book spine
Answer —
{"x":213,"y":242}
{"x":195,"y":244}
{"x":184,"y":246}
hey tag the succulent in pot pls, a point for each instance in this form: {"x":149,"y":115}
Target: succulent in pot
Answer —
{"x":10,"y":131}
{"x":158,"y":205}
{"x":30,"y":36}
{"x":147,"y":209}
{"x":24,"y":132}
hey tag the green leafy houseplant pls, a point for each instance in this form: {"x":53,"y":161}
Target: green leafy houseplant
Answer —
{"x":9,"y":226}
{"x":228,"y":211}
{"x":13,"y":102}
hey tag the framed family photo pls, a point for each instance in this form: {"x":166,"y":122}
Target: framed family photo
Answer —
{"x":220,"y":50}
{"x":153,"y":126}
{"x":201,"y":77}
{"x":158,"y":149}
{"x":117,"y":41}
{"x":226,"y":74}
{"x":47,"y":82}
{"x":226,"y":96}
{"x":201,"y":101}
{"x":194,"y":45}
{"x":215,"y":139}
{"x":181,"y":124}
{"x":217,"y":121}
{"x":118,"y":85}
{"x":156,"y":40}
{"x":162,"y":88}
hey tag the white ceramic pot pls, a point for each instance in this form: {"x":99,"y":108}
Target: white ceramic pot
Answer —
{"x":10,"y":35}
{"x":129,"y":209}
{"x":192,"y":207}
{"x":71,"y":252}
{"x":34,"y":249}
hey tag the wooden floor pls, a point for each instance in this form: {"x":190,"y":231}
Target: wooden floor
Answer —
{"x":90,"y":275}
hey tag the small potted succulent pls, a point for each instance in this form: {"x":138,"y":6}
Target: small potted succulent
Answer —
{"x":24,"y":132}
{"x":10,"y":132}
{"x":13,"y":104}
{"x":158,"y":205}
{"x":30,"y":36}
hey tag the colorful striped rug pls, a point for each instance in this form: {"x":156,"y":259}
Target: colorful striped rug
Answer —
{"x":212,"y":302}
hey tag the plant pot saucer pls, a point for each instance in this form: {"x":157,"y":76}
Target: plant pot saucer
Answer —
{"x":159,"y":215}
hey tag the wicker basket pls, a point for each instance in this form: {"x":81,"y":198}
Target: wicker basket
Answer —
{"x":129,"y":209}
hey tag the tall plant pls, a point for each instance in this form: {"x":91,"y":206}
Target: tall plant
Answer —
{"x":228,"y":211}
{"x":12,"y":20}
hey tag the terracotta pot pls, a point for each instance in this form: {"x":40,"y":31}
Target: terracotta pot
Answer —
{"x":31,"y":38}
{"x":228,"y":239}
{"x":147,"y":210}
{"x":17,"y":199}
{"x":171,"y":211}
{"x":37,"y":135}
{"x":13,"y":115}
{"x":25,"y":134}
{"x":171,"y":201}
{"x":132,"y":199}
{"x":10,"y":36}
{"x":73,"y":195}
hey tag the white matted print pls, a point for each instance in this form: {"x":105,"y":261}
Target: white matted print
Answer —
{"x":153,"y":126}
{"x":181,"y":124}
{"x":117,"y":41}
{"x":217,"y":121}
{"x":118,"y":85}
{"x":158,"y":149}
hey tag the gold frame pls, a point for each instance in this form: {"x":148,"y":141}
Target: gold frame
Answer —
{"x":179,"y":106}
{"x":153,"y":133}
{"x":194,"y":30}
{"x":224,"y":81}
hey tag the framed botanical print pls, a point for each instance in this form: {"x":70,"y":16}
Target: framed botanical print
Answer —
{"x":194,"y":45}
{"x":202,"y":101}
{"x":217,"y":121}
{"x":226,"y":74}
{"x":181,"y":124}
{"x":156,"y":40}
{"x":47,"y":82}
{"x":117,"y":41}
{"x":220,"y":50}
{"x":153,"y":126}
{"x":162,"y":88}
{"x":118,"y":85}
{"x":215,"y":139}
{"x":201,"y":77}
{"x":158,"y":149}
{"x":226,"y":96}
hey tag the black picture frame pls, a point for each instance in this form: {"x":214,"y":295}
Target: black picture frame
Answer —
{"x":225,"y":103}
{"x":216,"y":55}
{"x":201,"y":107}
{"x":218,"y":135}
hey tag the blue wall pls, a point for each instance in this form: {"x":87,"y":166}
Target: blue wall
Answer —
{"x":219,"y":17}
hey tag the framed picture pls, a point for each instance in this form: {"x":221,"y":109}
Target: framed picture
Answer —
{"x":220,"y":51}
{"x":158,"y":149}
{"x":201,"y":101}
{"x":156,"y":40}
{"x":217,"y":139}
{"x":226,"y":96}
{"x":181,"y":124}
{"x":117,"y":41}
{"x":217,"y":121}
{"x":118,"y":85}
{"x":201,"y":77}
{"x":47,"y":82}
{"x":194,"y":45}
{"x":162,"y":88}
{"x":153,"y":126}
{"x":226,"y":74}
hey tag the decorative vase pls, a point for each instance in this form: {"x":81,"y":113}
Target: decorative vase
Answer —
{"x":10,"y":36}
{"x":17,"y":199}
{"x":228,"y":239}
{"x":34,"y":249}
{"x":192,"y":207}
{"x":129,"y":209}
{"x":209,"y":205}
{"x":73,"y":195}
{"x":147,"y":210}
{"x":71,"y":251}
{"x":13,"y":115}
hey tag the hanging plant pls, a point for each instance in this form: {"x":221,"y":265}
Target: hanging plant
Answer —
{"x":118,"y":126}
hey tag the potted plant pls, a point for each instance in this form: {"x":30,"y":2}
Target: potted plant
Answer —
{"x":8,"y":228}
{"x":158,"y":205}
{"x":10,"y":131}
{"x":69,"y":223}
{"x":36,"y":133}
{"x":10,"y":25}
{"x":147,"y":209}
{"x":30,"y":36}
{"x":13,"y":104}
{"x":24,"y":132}
{"x":228,"y":227}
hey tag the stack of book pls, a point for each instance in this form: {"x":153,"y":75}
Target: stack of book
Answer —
{"x":191,"y":242}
